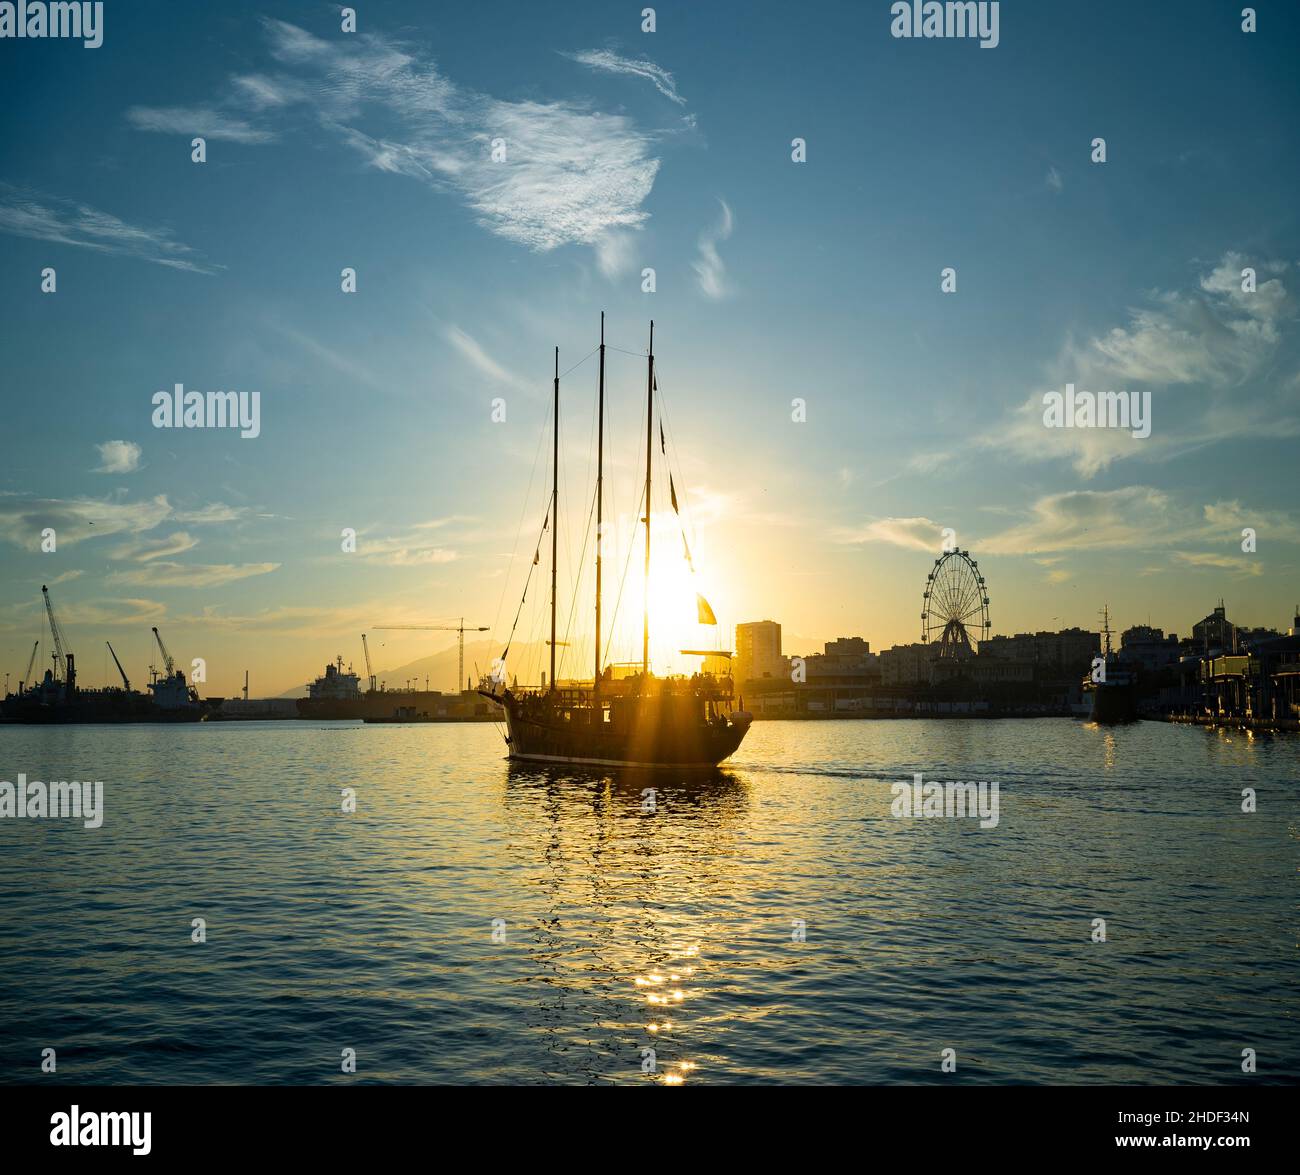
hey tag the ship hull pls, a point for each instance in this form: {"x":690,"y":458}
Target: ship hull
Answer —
{"x":381,"y":705}
{"x":648,"y":743}
{"x":1114,"y":705}
{"x":77,"y":714}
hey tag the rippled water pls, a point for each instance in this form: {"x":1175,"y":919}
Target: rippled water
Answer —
{"x":375,"y":931}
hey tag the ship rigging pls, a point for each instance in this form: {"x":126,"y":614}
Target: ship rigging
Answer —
{"x":633,"y":719}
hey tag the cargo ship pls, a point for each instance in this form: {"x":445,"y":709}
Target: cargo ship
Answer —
{"x":57,"y":698}
{"x":1111,"y":684}
{"x":637,"y":719}
{"x":336,"y":696}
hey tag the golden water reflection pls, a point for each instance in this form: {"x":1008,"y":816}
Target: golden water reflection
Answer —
{"x":631,"y":861}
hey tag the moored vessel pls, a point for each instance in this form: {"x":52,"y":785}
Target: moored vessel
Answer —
{"x":1111,"y":684}
{"x":57,"y":697}
{"x":335,"y":694}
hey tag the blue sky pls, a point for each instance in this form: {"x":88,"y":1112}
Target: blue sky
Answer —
{"x":774,"y":280}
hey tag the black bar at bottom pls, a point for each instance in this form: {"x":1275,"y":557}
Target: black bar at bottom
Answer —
{"x":337,"y":1123}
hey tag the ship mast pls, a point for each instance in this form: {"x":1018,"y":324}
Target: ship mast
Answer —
{"x":600,"y":486}
{"x":649,"y":450}
{"x":555,"y":501}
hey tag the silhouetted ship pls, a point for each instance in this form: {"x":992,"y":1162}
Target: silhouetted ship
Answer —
{"x":335,"y":695}
{"x":1112,"y":684}
{"x":57,"y":698}
{"x":636,"y":719}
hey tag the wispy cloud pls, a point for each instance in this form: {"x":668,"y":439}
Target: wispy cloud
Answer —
{"x":473,"y":353}
{"x":261,"y":92}
{"x":328,"y":355}
{"x":608,"y":61}
{"x":1054,"y":181}
{"x":710,"y":271}
{"x":199,"y":120}
{"x":1133,"y":516}
{"x":1202,"y":346}
{"x":166,"y":574}
{"x":143,"y":550}
{"x":74,"y":520}
{"x":415,"y":547}
{"x":1139,"y":518}
{"x":212,"y":512}
{"x":1242,"y":564}
{"x":570,"y":174}
{"x":913,"y":534}
{"x":118,"y":457}
{"x":615,"y":253}
{"x":1220,"y":335}
{"x":49,"y":218}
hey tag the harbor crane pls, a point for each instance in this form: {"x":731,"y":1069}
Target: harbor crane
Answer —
{"x":63,"y":659}
{"x":370,"y":673}
{"x":459,"y":629}
{"x":126,"y":684}
{"x":167,"y":657}
{"x":31,"y":661}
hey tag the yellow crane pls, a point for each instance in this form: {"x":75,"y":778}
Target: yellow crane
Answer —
{"x":458,"y":629}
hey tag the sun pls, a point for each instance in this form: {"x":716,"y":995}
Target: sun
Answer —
{"x":674,"y":616}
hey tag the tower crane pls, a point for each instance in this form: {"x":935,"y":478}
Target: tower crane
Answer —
{"x":458,"y":629}
{"x":370,"y":673}
{"x":126,"y":685}
{"x":62,"y":658}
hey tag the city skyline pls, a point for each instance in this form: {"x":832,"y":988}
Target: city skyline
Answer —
{"x":670,"y":151}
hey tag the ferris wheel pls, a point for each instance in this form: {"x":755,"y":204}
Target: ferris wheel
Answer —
{"x":955,"y":606}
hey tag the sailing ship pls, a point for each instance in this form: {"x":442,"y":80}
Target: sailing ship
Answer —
{"x":1111,"y":683}
{"x":633,"y":719}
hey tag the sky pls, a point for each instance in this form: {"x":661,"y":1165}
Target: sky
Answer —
{"x":774,"y":281}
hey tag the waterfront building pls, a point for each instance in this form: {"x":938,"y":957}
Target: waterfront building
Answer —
{"x":1215,"y":632}
{"x":1070,"y":650}
{"x":905,"y":665}
{"x":1149,"y":648}
{"x":846,"y":661}
{"x":980,"y":670}
{"x":758,"y":652}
